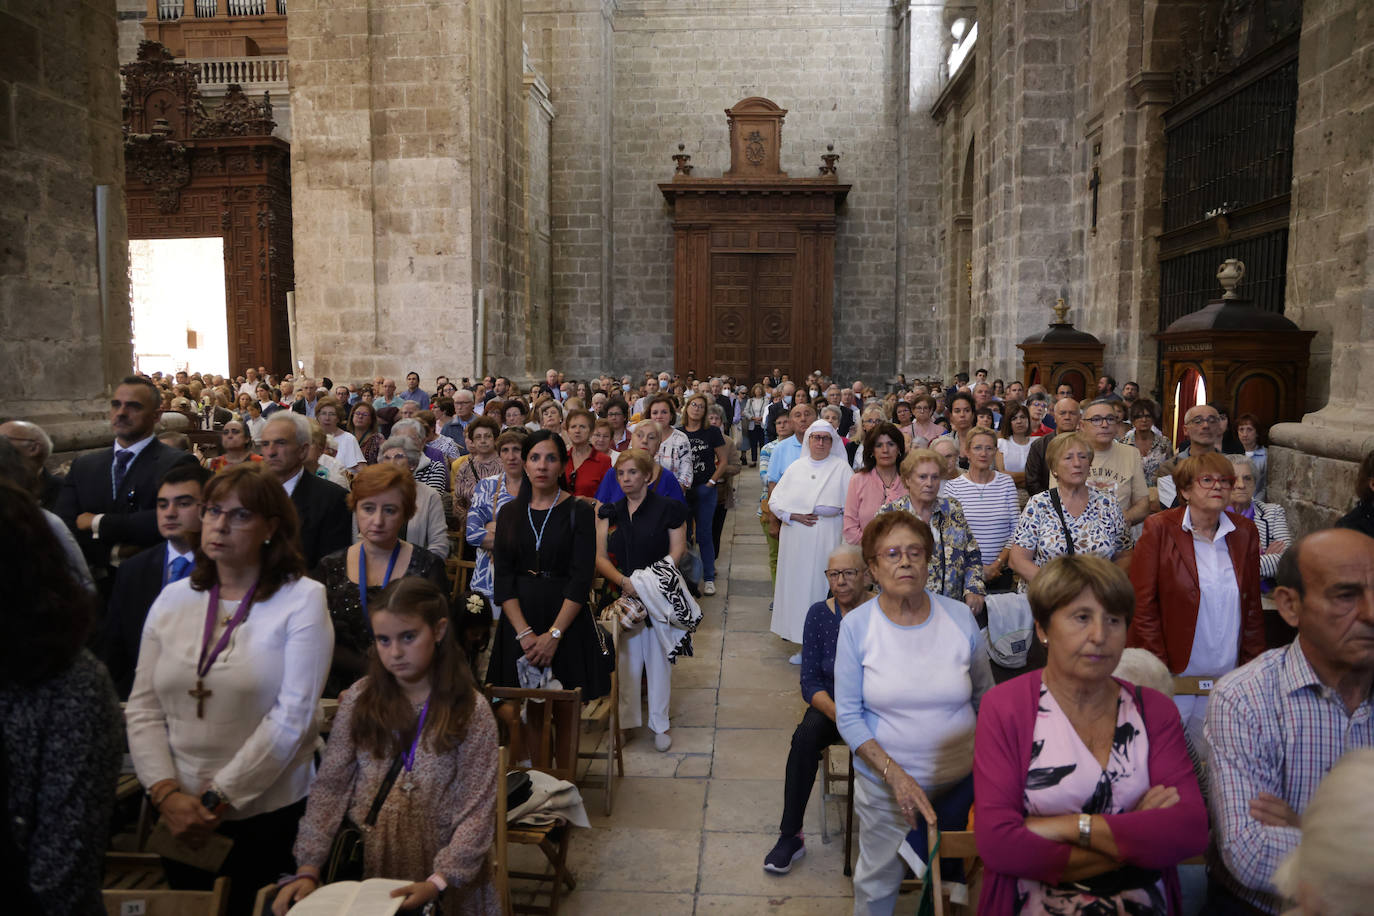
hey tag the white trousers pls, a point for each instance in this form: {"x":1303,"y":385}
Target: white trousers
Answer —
{"x":641,"y":655}
{"x":879,"y":871}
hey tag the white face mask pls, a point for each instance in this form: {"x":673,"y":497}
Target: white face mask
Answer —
{"x":624,"y":387}
{"x":814,"y":392}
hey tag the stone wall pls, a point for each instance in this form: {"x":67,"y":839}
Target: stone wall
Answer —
{"x":570,"y":44}
{"x":836,"y":71}
{"x":65,"y":335}
{"x":131,"y":14}
{"x":1330,"y":276}
{"x":397,"y":117}
{"x":538,"y":323}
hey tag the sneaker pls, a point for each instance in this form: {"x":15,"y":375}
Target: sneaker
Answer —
{"x":787,"y":850}
{"x":662,"y":741}
{"x":708,"y":587}
{"x":795,"y":660}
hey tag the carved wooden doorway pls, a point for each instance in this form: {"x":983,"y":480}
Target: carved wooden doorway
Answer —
{"x":191,"y":173}
{"x":751,"y":315}
{"x":754,"y":257}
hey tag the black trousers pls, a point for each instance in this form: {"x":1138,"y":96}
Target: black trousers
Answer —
{"x":815,"y":733}
{"x":261,"y":854}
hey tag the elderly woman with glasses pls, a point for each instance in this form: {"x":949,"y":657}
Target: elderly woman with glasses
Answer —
{"x":1196,"y":573}
{"x":848,"y":589}
{"x":910,"y":670}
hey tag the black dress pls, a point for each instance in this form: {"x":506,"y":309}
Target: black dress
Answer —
{"x":352,"y":635}
{"x":562,"y":569}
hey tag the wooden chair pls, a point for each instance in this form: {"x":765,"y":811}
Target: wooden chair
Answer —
{"x":605,"y":711}
{"x":214,"y":902}
{"x":955,"y":844}
{"x":831,"y":777}
{"x":460,"y":571}
{"x":555,"y":753}
{"x":1193,"y":686}
{"x":500,"y":853}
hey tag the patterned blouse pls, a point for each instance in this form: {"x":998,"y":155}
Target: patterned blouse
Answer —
{"x":371,"y":444}
{"x":1065,"y":778}
{"x":1161,"y":450}
{"x":465,"y":479}
{"x":1100,"y":529}
{"x":490,"y":496}
{"x":957,"y":566}
{"x":438,"y":818}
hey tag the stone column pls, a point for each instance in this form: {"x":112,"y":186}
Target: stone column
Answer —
{"x":64,"y":300}
{"x":1312,"y":464}
{"x":397,"y":145}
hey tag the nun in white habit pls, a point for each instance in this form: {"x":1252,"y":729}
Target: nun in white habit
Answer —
{"x":809,"y":500}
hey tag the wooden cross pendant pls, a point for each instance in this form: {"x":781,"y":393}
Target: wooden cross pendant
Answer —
{"x":200,"y":693}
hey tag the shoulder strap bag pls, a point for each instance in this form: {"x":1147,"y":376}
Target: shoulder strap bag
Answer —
{"x":345,"y":861}
{"x":1059,"y":510}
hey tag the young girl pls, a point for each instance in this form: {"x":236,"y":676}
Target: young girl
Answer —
{"x":418,"y":702}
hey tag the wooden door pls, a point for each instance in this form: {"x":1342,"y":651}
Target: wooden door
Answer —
{"x":751,"y":327}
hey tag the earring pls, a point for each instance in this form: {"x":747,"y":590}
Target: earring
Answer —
{"x":266,"y":542}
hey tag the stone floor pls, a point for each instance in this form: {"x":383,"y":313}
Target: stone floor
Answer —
{"x":690,"y":827}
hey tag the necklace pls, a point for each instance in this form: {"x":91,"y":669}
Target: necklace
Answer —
{"x":408,"y":759}
{"x":886,"y":486}
{"x":200,"y":694}
{"x":539,"y":532}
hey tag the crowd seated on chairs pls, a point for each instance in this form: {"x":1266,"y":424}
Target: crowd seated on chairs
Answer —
{"x":471,"y":616}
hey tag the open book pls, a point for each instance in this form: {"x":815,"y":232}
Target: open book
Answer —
{"x":352,"y":898}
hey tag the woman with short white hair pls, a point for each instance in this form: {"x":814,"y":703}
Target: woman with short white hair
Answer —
{"x":1329,"y":874}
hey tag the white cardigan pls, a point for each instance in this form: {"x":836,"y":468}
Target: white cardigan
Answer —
{"x":259,"y":734}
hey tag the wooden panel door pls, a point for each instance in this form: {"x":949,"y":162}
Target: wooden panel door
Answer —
{"x":751,"y":328}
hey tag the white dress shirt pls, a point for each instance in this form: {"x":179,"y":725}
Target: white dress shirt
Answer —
{"x":1217,"y":637}
{"x":258,"y":737}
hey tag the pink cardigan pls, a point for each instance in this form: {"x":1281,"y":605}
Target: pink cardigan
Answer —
{"x":1156,"y":839}
{"x":864,"y":499}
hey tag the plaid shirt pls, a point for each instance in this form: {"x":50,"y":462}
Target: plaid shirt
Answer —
{"x":1273,"y":727}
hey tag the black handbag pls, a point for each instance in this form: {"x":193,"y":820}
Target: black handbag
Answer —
{"x":345,"y":862}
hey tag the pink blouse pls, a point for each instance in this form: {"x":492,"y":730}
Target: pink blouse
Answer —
{"x":865,"y":497}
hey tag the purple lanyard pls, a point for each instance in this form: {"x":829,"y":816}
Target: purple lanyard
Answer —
{"x":409,"y":758}
{"x":203,"y":667}
{"x":362,"y":578}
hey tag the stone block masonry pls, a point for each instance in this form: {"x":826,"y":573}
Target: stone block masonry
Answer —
{"x":401,"y":198}
{"x":65,"y":334}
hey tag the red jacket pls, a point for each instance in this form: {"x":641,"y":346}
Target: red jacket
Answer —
{"x":1164,"y":574}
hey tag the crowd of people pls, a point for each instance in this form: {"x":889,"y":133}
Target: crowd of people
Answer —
{"x":248,"y":546}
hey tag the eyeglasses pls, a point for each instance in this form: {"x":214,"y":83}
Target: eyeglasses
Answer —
{"x":1100,"y":421}
{"x":1204,"y":421}
{"x":238,"y":517}
{"x":1209,"y":482}
{"x":894,"y":555}
{"x":842,"y":573}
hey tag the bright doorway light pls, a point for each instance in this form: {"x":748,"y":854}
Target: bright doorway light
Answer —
{"x":176,"y":289}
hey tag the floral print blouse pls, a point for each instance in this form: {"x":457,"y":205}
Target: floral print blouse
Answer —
{"x":1101,"y":528}
{"x":957,"y":566}
{"x":1065,"y":778}
{"x":1161,"y":450}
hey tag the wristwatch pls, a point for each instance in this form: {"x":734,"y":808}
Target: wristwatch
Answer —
{"x":213,"y":801}
{"x":1085,"y":830}
{"x":555,"y":633}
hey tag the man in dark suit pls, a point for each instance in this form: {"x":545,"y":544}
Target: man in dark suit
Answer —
{"x":782,"y":404}
{"x":108,"y":497}
{"x":321,"y":505}
{"x":142,"y":577}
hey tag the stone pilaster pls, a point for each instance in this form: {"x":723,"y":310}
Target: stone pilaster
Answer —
{"x":1330,"y":276}
{"x":65,"y":334}
{"x":400,"y":190}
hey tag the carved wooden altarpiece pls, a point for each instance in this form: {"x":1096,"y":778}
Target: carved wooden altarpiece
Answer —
{"x":193,"y":174}
{"x":754,"y":256}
